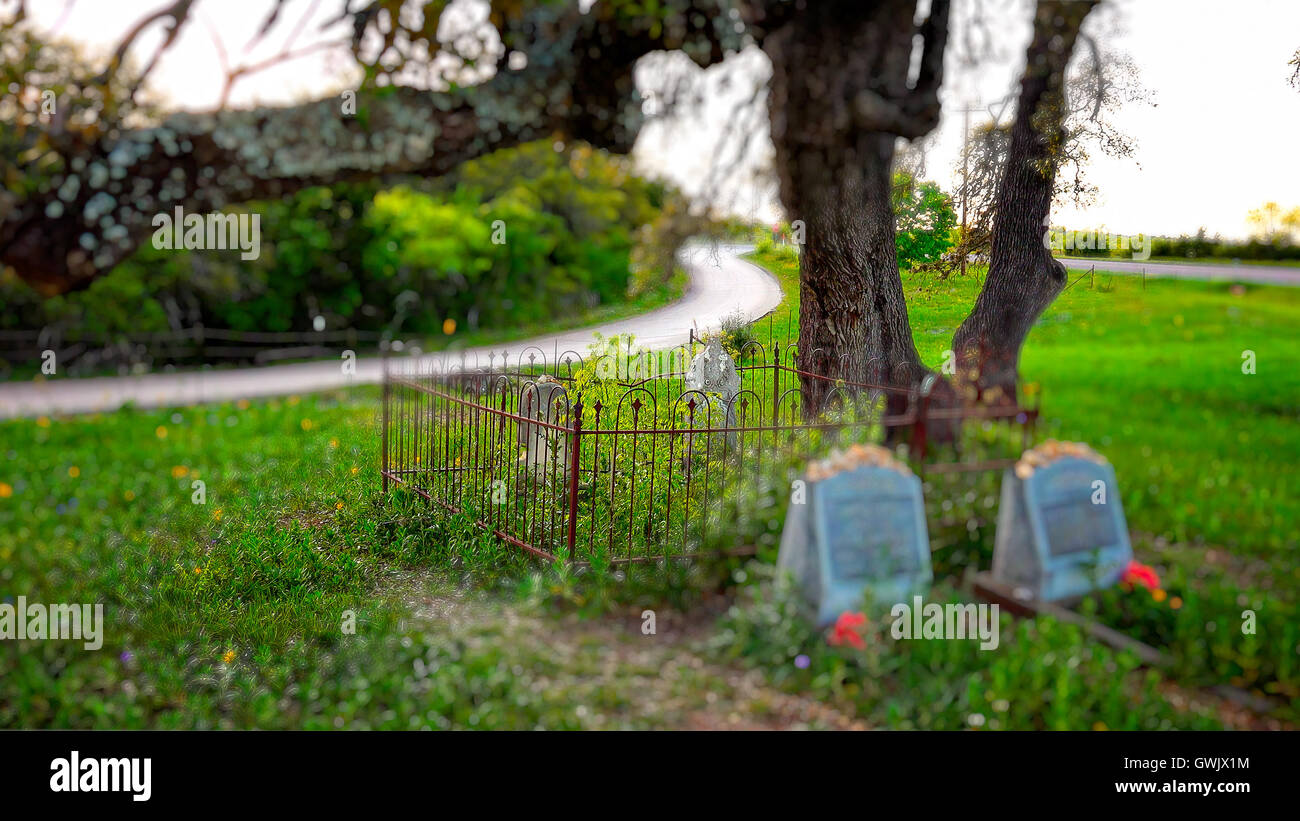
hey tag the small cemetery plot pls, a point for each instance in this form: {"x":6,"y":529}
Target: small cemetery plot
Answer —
{"x":857,"y":527}
{"x":1061,"y":530}
{"x":632,"y":456}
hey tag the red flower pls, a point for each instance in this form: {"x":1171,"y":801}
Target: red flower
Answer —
{"x":846,"y":630}
{"x":1142,"y":574}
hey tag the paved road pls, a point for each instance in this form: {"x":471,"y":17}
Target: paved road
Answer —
{"x":1227,"y":272}
{"x":720,"y":285}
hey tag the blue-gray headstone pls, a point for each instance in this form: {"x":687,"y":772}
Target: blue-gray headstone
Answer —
{"x":1061,"y":530}
{"x":858,"y":531}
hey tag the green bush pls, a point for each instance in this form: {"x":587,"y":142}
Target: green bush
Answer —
{"x":518,"y":236}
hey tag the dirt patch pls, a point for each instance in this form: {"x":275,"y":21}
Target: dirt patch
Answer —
{"x":619,"y":675}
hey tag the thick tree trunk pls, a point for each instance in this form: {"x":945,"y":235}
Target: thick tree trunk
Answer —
{"x":839,"y":99}
{"x":1023,"y":277}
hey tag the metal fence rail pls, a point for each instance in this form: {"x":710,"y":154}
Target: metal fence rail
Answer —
{"x":639,"y":468}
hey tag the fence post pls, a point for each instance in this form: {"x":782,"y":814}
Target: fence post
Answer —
{"x":383,"y":447}
{"x":575,"y":459}
{"x":776,"y":385}
{"x":919,"y":426}
{"x":201,"y":343}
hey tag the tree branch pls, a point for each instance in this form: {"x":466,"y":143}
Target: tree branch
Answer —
{"x":578,"y":84}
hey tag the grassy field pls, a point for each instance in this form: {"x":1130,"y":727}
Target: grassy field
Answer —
{"x":1154,"y":380}
{"x":296,"y":595}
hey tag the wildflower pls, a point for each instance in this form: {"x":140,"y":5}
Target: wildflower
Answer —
{"x":293,"y":400}
{"x":198,"y":570}
{"x":242,"y":404}
{"x":1137,"y":573}
{"x":229,"y":656}
{"x":179,"y":471}
{"x":6,"y":490}
{"x":1158,"y":594}
{"x":43,"y":422}
{"x":1175,"y":602}
{"x":801,"y":661}
{"x":306,"y":424}
{"x":449,"y":326}
{"x":846,"y":630}
{"x":216,"y":514}
{"x":74,"y":471}
{"x":338,"y":506}
{"x":129,"y":495}
{"x":354,"y":470}
{"x":334,"y":443}
{"x":160,"y":431}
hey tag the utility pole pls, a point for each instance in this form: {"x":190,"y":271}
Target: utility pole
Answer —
{"x":965,"y":157}
{"x":965,"y":164}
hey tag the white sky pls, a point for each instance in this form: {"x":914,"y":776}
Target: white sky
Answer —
{"x":1221,"y":140}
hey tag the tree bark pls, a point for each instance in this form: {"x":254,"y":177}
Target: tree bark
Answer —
{"x":578,"y":84}
{"x":1023,"y":278}
{"x":839,"y":100}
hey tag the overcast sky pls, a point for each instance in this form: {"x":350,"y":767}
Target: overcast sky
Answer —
{"x":1220,"y":140}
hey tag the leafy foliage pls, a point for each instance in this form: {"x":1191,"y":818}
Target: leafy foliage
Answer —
{"x":517,"y":236}
{"x":924,"y":219}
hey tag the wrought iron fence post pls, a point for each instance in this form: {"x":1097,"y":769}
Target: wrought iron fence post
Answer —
{"x":919,"y":427}
{"x":575,"y":459}
{"x":776,"y":384}
{"x":383,"y":447}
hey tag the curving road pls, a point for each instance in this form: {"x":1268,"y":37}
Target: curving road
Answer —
{"x":1210,"y":271}
{"x":720,"y":285}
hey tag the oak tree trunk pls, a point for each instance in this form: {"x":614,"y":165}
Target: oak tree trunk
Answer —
{"x":839,"y":74}
{"x":1023,"y":278}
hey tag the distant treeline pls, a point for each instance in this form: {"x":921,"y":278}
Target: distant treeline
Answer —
{"x":520,"y":236}
{"x":1198,"y":246}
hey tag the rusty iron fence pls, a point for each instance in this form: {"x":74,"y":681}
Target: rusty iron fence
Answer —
{"x":611,"y":459}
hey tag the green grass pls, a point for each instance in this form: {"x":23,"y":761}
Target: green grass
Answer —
{"x":231,"y":613}
{"x":1206,"y":455}
{"x":1153,"y":379}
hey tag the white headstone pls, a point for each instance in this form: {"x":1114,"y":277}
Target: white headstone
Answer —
{"x":712,"y":371}
{"x":545,"y":448}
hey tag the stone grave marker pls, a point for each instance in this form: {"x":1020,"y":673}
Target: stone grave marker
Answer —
{"x":545,"y":448}
{"x":1061,"y":528}
{"x":712,"y":371}
{"x":861,"y":527}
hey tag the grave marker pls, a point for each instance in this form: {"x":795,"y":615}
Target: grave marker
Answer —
{"x":1061,"y":529}
{"x":712,"y":371}
{"x":544,"y":400}
{"x":862,"y":528}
